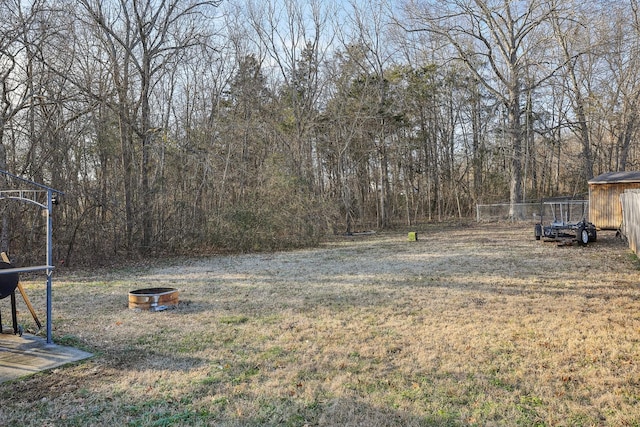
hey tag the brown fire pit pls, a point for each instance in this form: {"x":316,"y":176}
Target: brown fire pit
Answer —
{"x":153,"y":299}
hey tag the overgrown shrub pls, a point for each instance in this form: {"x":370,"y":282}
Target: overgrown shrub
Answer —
{"x":280,"y":214}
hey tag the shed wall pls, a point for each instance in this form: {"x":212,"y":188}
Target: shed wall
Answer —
{"x":605,"y":210}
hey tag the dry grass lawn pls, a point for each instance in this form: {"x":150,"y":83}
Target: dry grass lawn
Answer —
{"x":471,"y":325}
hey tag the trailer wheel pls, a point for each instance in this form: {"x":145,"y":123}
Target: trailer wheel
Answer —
{"x":583,"y":236}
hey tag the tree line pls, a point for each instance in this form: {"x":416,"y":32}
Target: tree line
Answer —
{"x":192,"y":126}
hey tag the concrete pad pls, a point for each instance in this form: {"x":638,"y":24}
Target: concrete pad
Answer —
{"x":28,"y":354}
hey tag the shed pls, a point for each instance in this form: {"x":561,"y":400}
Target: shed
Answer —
{"x":605,"y":210}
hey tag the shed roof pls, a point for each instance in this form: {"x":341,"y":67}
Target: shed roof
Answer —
{"x":616,"y":177}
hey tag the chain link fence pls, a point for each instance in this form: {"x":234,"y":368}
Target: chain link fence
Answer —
{"x":567,"y":210}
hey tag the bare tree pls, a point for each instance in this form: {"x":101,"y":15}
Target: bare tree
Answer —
{"x":622,"y":56}
{"x":579,"y":49}
{"x":16,"y":80}
{"x":495,"y":39}
{"x":295,"y":37}
{"x":142,"y":38}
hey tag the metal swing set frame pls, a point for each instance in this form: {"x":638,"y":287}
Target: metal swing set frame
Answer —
{"x":35,"y":196}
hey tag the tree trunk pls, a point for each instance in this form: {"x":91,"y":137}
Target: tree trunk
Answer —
{"x":4,"y":234}
{"x":515,"y":130}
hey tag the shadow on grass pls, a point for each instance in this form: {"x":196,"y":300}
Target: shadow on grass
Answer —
{"x":353,"y":412}
{"x":270,"y":411}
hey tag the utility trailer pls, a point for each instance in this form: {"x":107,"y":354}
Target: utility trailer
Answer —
{"x":569,"y":222}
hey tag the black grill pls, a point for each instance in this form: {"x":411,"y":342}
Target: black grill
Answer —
{"x":8,"y":281}
{"x":8,"y":285}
